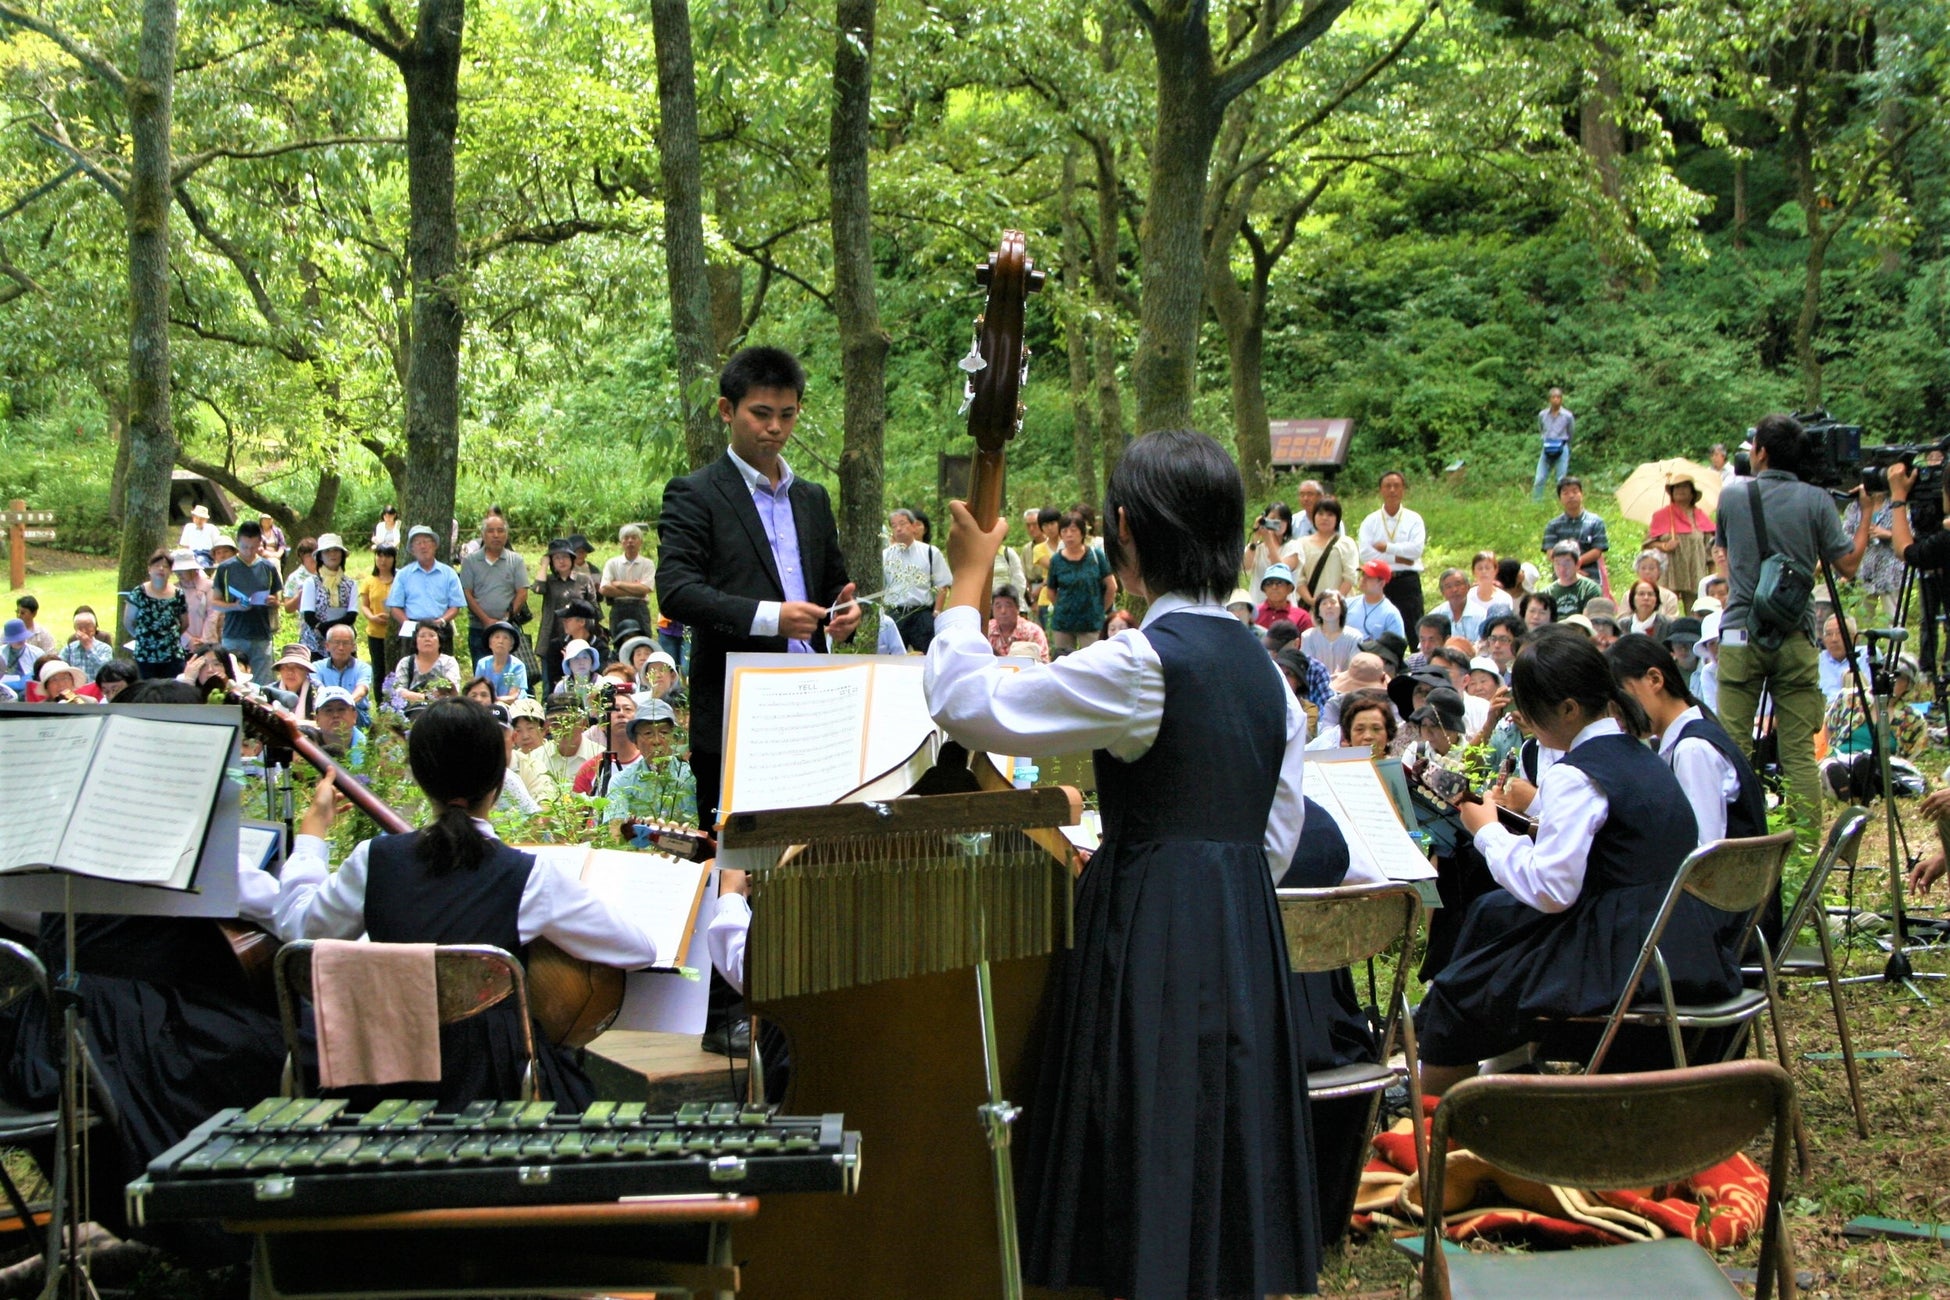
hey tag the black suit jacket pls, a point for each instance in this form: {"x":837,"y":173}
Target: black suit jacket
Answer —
{"x":714,"y":566}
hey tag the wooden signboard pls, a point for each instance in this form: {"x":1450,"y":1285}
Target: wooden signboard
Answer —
{"x":1300,"y":444}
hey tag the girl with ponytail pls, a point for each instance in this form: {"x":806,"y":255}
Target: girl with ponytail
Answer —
{"x":453,"y":882}
{"x":1720,"y":785}
{"x":1560,"y":937}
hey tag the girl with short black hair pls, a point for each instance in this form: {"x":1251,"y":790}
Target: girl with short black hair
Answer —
{"x":1561,"y":935}
{"x":454,"y":882}
{"x":1168,"y":1151}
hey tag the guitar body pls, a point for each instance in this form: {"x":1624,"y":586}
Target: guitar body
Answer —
{"x":256,"y":951}
{"x":573,"y":1000}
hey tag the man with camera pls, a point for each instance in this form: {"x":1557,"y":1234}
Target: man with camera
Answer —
{"x":1777,"y":531}
{"x":1927,"y":555}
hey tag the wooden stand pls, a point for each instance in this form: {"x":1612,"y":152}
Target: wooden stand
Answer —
{"x":908,"y":1062}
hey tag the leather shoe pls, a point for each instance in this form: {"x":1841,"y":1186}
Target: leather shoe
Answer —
{"x":734,"y":1038}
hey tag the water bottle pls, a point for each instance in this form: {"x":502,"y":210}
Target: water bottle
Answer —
{"x":1025,"y":774}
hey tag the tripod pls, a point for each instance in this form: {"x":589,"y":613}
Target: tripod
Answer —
{"x":1880,"y":703}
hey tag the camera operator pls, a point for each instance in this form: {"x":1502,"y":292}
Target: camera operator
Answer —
{"x":1756,"y":655}
{"x":1928,"y":556}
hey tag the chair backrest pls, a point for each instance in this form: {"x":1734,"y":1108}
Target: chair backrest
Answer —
{"x":1620,"y":1130}
{"x":1738,"y":875}
{"x":468,"y":979}
{"x":21,"y":973}
{"x":1327,"y":929}
{"x":1844,"y":842}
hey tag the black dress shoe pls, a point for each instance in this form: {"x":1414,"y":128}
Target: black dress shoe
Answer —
{"x":733,"y":1039}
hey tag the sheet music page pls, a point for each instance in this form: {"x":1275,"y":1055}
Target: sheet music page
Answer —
{"x":797,"y":736}
{"x":1358,"y":791}
{"x":43,"y":762}
{"x":897,"y":714}
{"x":658,"y":892}
{"x":256,"y":844}
{"x":160,"y":777}
{"x":1361,"y":862}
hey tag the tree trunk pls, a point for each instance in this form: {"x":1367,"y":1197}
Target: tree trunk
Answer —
{"x":863,"y":344}
{"x":1740,"y":202}
{"x":1111,"y":438}
{"x":1076,"y":334}
{"x":1598,"y":130}
{"x":118,"y":429}
{"x":1242,"y":319}
{"x":1171,"y":253}
{"x":680,"y":162}
{"x":1801,"y":157}
{"x":152,"y":432}
{"x":431,"y":70}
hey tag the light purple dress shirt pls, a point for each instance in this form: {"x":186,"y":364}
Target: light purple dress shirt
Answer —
{"x":774,"y":506}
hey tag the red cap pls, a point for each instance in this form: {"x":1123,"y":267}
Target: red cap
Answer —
{"x":1377,"y":569}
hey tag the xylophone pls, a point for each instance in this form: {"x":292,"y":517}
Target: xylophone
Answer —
{"x":311,"y":1157}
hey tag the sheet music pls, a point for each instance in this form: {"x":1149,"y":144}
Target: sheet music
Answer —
{"x":166,"y":774}
{"x":42,"y":764}
{"x":1360,"y":803}
{"x":658,"y":892}
{"x":897,"y":716}
{"x":256,"y":844}
{"x":797,"y":736}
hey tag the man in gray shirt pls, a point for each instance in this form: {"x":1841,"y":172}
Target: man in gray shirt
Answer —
{"x":1802,"y":525}
{"x":495,"y":581}
{"x":1554,"y":425}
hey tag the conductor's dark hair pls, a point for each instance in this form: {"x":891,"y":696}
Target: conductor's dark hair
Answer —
{"x":1632,"y":657}
{"x":751,"y":368}
{"x":1784,"y":441}
{"x":1553,"y":667}
{"x":160,"y":690}
{"x":457,"y":755}
{"x":1182,"y":498}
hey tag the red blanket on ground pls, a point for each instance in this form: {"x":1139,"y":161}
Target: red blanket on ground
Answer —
{"x":1718,"y":1207}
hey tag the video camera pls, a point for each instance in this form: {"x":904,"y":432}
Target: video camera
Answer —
{"x":1836,"y":459}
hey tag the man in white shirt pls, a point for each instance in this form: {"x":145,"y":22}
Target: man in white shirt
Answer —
{"x":628,"y":580}
{"x":199,"y":534}
{"x":1396,"y":535}
{"x":916,"y":578}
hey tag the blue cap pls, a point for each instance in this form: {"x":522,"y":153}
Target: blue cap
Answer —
{"x":1277,"y":573}
{"x":16,"y":632}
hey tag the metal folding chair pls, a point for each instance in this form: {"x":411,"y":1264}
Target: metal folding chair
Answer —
{"x":469,"y":978}
{"x":1817,"y":961}
{"x":1619,"y":1130}
{"x":1737,"y":876}
{"x":1327,"y":929}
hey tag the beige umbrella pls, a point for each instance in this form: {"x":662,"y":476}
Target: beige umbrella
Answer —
{"x":1644,"y":491}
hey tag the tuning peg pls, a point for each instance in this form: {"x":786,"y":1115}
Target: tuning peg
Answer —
{"x":1036,"y":278}
{"x":984,"y":269}
{"x":974,"y":361}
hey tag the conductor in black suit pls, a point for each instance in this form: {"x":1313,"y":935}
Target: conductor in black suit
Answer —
{"x":749,"y":555}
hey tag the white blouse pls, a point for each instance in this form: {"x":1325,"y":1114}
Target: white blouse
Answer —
{"x":1704,"y":774}
{"x":1108,"y":696}
{"x":317,"y":903}
{"x":1549,"y":873}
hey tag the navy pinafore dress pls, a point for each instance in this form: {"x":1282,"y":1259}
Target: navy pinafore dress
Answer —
{"x":1167,"y":1151}
{"x":1515,"y":964}
{"x":1746,"y":814}
{"x":481,"y":1057}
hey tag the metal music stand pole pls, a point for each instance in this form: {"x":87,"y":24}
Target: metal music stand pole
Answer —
{"x":997,"y":1115}
{"x":67,"y":1267}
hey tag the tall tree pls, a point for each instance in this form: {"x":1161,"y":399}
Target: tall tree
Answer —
{"x":152,"y":430}
{"x":1194,"y":90}
{"x":428,"y":60}
{"x":863,"y":343}
{"x":681,"y":163}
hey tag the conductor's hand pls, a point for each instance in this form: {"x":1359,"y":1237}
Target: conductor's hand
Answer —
{"x":324,"y":807}
{"x":1901,"y":479}
{"x":971,"y":554}
{"x":1926,"y":873}
{"x":845,"y":614}
{"x":799,"y":619}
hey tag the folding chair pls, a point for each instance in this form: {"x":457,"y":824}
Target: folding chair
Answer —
{"x":1327,"y":929}
{"x":469,"y":978}
{"x":1737,"y":876}
{"x":1619,"y":1130}
{"x":1804,"y":961}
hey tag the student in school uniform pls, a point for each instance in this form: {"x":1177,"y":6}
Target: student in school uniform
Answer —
{"x":1720,"y":785}
{"x":455,"y":882}
{"x":1561,"y":936}
{"x":1168,"y":1150}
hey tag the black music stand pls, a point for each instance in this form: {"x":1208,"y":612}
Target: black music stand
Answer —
{"x":213,"y":893}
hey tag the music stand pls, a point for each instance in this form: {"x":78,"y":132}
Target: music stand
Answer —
{"x":213,"y":893}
